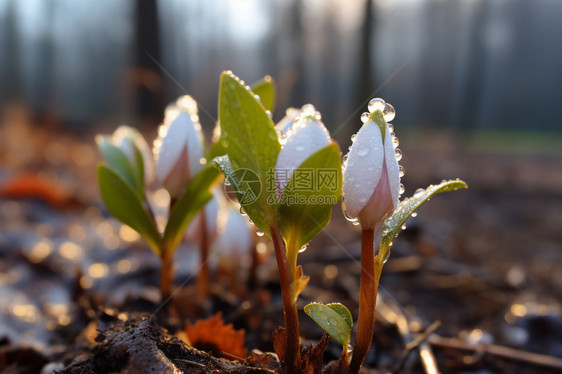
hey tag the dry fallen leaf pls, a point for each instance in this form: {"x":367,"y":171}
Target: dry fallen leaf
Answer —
{"x":213,"y":336}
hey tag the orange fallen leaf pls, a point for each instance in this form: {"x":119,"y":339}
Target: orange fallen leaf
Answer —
{"x":28,"y":185}
{"x":213,"y":336}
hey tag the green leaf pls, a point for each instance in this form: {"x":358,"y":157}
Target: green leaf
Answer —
{"x":409,"y":206}
{"x":194,"y":197}
{"x":118,"y":161}
{"x":252,"y":146}
{"x":334,"y":318}
{"x":265,"y":89}
{"x":217,"y":149}
{"x":139,"y":168}
{"x":306,"y":203}
{"x":124,"y":204}
{"x":343,"y":312}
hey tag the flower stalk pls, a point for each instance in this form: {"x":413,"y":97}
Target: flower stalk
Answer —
{"x":290,"y":313}
{"x":367,"y":300}
{"x":203,"y":277}
{"x":166,"y":272}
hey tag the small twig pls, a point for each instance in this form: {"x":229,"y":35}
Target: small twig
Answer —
{"x":498,"y":350}
{"x":398,"y":318}
{"x":414,"y":344}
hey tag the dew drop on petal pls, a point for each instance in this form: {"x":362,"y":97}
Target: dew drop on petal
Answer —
{"x":303,"y":248}
{"x":403,"y":227}
{"x":401,"y":171}
{"x":395,"y":142}
{"x":419,"y":191}
{"x":227,"y":183}
{"x":388,"y":112}
{"x":259,"y":232}
{"x":364,"y":117}
{"x":308,"y":110}
{"x":242,"y":212}
{"x":402,"y":189}
{"x":375,"y":104}
{"x":414,"y":214}
{"x":257,"y":97}
{"x":269,"y":114}
{"x":364,"y":151}
{"x":398,"y":154}
{"x":391,"y":128}
{"x":353,"y":137}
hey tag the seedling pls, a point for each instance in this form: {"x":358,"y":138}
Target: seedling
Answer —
{"x":286,"y":181}
{"x":286,"y":178}
{"x":180,"y":169}
{"x":371,"y":190}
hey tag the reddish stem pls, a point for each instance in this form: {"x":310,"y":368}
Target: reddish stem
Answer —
{"x":203,"y":277}
{"x":286,"y":277}
{"x":166,"y":273}
{"x":367,"y":301}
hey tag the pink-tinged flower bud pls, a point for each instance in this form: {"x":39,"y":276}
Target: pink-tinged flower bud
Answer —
{"x":126,"y":138}
{"x":287,"y":122}
{"x":371,"y":178}
{"x":235,"y":237}
{"x":306,"y":136}
{"x":179,"y":147}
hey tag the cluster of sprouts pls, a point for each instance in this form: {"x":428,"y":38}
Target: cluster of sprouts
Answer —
{"x":286,"y":178}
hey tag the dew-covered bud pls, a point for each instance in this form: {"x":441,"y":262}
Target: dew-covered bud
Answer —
{"x":306,"y":136}
{"x":235,"y":238}
{"x":178,"y":149}
{"x":371,"y":179}
{"x":127,"y":138}
{"x":286,"y":123}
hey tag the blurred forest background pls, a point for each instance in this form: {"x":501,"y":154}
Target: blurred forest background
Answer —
{"x":462,"y":65}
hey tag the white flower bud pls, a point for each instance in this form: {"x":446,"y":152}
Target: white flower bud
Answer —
{"x":286,"y":122}
{"x":307,"y":136}
{"x":125,"y":138}
{"x":235,"y":237}
{"x":371,"y":179}
{"x":179,"y":147}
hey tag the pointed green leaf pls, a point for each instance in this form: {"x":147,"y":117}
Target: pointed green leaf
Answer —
{"x":252,"y":146}
{"x":194,"y":197}
{"x":265,"y":89}
{"x":117,"y":161}
{"x":333,"y":318}
{"x":409,"y":206}
{"x":124,"y":204}
{"x":306,"y":203}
